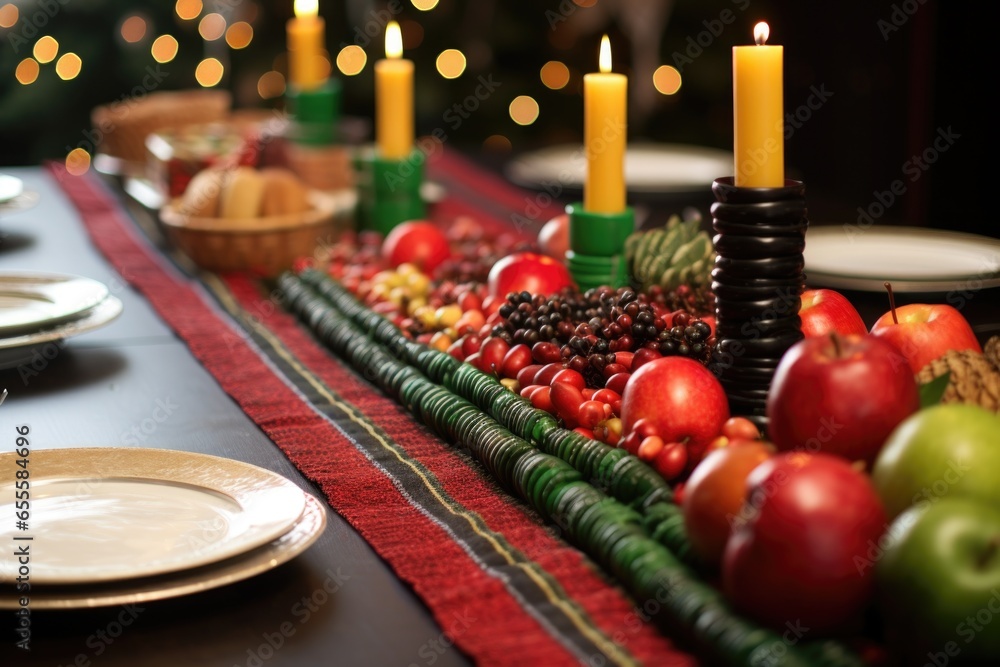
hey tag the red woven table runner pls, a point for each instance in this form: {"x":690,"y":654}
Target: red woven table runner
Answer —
{"x":501,"y":583}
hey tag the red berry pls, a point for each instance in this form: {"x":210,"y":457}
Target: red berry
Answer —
{"x":570,"y":376}
{"x":455,"y":350}
{"x":650,"y":448}
{"x":541,"y":398}
{"x":527,"y":390}
{"x":545,"y":353}
{"x":471,"y":344}
{"x":643,"y":356}
{"x":671,"y":461}
{"x":590,"y":414}
{"x":475,"y":360}
{"x":613,"y":369}
{"x":631,"y":442}
{"x":644,"y":427}
{"x":493,"y":352}
{"x":625,"y":359}
{"x":548,"y":372}
{"x":616,"y":383}
{"x":606,"y":396}
{"x":567,"y":399}
{"x":527,"y":374}
{"x":516,"y":358}
{"x":679,"y":493}
{"x":740,"y":428}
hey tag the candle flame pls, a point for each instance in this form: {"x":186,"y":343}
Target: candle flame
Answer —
{"x":605,"y":59}
{"x":393,"y":41}
{"x":761,"y":32}
{"x":306,"y":8}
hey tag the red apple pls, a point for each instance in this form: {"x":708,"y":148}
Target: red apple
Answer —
{"x":841,"y":395}
{"x":824,"y":311}
{"x":528,"y":272}
{"x":680,"y":398}
{"x":799,"y":546}
{"x":925,"y":332}
{"x":553,"y":238}
{"x":714,"y":495}
{"x":417,"y":242}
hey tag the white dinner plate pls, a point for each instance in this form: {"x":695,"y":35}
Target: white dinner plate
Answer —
{"x":22,"y":348}
{"x":31,"y":301}
{"x":649,"y":167}
{"x":10,"y":187}
{"x":108,"y":514}
{"x":913,"y":259}
{"x":303,"y":534}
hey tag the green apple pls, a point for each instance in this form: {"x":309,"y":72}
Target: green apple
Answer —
{"x":946,"y":450}
{"x":939,"y":583}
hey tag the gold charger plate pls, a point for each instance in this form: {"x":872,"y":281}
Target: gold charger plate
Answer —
{"x":303,"y":535}
{"x":107,"y":513}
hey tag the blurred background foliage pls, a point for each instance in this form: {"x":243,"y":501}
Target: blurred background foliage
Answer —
{"x":893,"y":73}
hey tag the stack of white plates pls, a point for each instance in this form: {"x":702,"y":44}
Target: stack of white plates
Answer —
{"x":913,"y":259}
{"x":110,"y":526}
{"x":13,"y":196}
{"x":40,"y":309}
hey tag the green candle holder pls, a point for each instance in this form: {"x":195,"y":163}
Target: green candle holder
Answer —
{"x":314,"y":113}
{"x":388,"y":190}
{"x":597,"y":246}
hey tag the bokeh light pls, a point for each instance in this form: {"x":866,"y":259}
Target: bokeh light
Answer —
{"x":413,"y":34}
{"x":8,"y":15}
{"x":46,"y":49}
{"x":497,"y":143}
{"x":524,"y":110}
{"x":351,"y":60}
{"x":164,"y":48}
{"x":424,"y":5}
{"x":133,"y":29}
{"x":239,"y":35}
{"x":451,"y":63}
{"x":325,"y":66}
{"x":270,"y":85}
{"x":27,"y":71}
{"x":209,"y":72}
{"x":188,"y":9}
{"x":68,"y":66}
{"x":666,"y":79}
{"x":78,"y":162}
{"x":212,"y":27}
{"x":555,"y":75}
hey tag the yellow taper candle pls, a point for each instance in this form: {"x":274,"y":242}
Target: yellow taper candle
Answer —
{"x":394,"y":98}
{"x":605,"y":132}
{"x":305,"y":34}
{"x":758,"y":105}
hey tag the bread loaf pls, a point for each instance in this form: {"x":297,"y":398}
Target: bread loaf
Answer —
{"x":242,"y":194}
{"x":284,"y":193}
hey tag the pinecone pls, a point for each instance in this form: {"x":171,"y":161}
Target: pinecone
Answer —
{"x":974,"y":378}
{"x":992,"y":350}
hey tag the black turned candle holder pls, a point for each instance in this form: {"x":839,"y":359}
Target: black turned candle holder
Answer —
{"x":758,"y":282}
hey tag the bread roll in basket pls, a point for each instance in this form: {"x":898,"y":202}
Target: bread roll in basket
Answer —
{"x":214,"y":225}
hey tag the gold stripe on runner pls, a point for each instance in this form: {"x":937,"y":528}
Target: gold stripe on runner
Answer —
{"x":530,"y":568}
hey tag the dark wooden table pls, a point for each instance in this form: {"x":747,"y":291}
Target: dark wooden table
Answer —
{"x":102,"y":390}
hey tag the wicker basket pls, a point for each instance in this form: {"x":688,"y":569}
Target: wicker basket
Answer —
{"x":123,"y":126}
{"x":322,"y":167}
{"x":266,"y":246}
